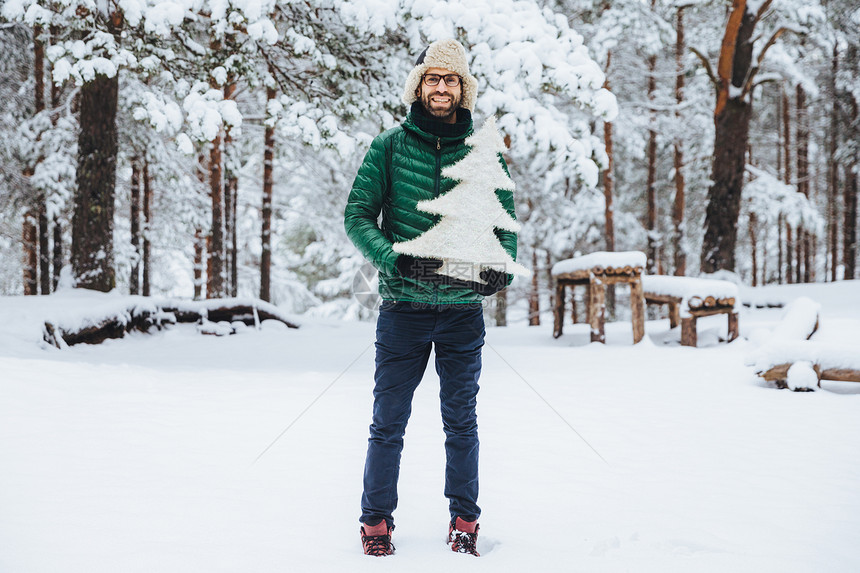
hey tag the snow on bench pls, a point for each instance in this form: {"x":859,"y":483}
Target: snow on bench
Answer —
{"x":602,"y":262}
{"x":790,"y":360}
{"x":691,"y":293}
{"x":94,"y":324}
{"x":690,"y":298}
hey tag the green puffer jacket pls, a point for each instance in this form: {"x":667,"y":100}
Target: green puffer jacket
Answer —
{"x":402,"y":167}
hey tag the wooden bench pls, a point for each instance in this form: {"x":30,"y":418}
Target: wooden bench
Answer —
{"x":689,"y":299}
{"x":596,"y":272}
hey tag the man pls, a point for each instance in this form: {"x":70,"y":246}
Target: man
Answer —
{"x":421,"y":308}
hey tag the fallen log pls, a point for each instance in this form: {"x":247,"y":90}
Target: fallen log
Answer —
{"x":142,"y":318}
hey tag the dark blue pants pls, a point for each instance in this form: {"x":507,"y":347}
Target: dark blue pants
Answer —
{"x":405,"y":333}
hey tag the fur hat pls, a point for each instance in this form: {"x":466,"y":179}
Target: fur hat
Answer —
{"x":447,"y":54}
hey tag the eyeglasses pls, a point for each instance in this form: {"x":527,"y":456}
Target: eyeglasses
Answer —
{"x":451,"y":80}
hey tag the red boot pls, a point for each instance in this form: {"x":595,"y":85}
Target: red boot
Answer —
{"x":463,"y":536}
{"x":376,"y":539}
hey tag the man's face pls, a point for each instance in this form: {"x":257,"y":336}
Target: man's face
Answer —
{"x":441,"y":101}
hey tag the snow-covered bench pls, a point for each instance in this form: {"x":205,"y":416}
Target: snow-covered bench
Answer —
{"x":690,"y":299}
{"x":790,"y":360}
{"x":596,"y":271}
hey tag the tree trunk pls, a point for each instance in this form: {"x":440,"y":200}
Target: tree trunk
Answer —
{"x":802,"y":179}
{"x":779,"y":252}
{"x":231,"y":189}
{"x":731,"y":122}
{"x":789,"y":255}
{"x":92,"y":222}
{"x":849,"y":227}
{"x":608,"y":188}
{"x":679,"y":205}
{"x":134,"y":280}
{"x":798,"y":267}
{"x":779,"y":135}
{"x":724,"y":196}
{"x":753,"y":233}
{"x":199,"y":252}
{"x":534,"y":295}
{"x":609,"y":172}
{"x":268,"y":161}
{"x":58,"y":229}
{"x":147,"y":226}
{"x":215,"y":286}
{"x":651,"y":191}
{"x":30,"y":241}
{"x":43,"y":239}
{"x":44,"y":246}
{"x":833,"y":168}
{"x":608,"y":193}
{"x":58,"y":251}
{"x":786,"y":142}
{"x":231,"y":184}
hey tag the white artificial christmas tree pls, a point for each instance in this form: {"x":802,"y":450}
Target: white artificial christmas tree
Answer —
{"x":464,"y":238}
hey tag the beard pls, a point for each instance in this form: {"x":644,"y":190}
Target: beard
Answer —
{"x":440,"y":111}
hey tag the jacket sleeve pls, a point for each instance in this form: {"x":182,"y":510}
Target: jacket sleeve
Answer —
{"x":364,"y":206}
{"x":508,"y":239}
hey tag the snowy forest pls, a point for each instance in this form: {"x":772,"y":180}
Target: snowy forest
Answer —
{"x":205,"y":148}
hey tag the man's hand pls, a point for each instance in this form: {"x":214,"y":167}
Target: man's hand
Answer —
{"x":420,"y":269}
{"x":496,"y":281}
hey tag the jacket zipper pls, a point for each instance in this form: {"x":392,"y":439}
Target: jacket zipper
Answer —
{"x":438,"y":166}
{"x":436,"y":194}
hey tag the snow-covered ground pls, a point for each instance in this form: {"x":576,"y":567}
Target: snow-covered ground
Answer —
{"x":138,"y":455}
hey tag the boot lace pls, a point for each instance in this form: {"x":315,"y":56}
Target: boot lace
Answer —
{"x":377,"y":545}
{"x":463,"y":542}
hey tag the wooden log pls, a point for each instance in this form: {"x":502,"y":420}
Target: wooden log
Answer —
{"x":143,"y":320}
{"x":637,"y":307}
{"x":840,"y":375}
{"x":710,"y":302}
{"x":674,"y":314}
{"x":733,"y":326}
{"x":597,"y":311}
{"x":695,"y":302}
{"x":688,"y":331}
{"x":598,"y":270}
{"x":628,"y":270}
{"x":654,"y":298}
{"x":777,"y":373}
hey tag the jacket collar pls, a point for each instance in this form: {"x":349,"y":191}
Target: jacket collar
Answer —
{"x":431,"y":129}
